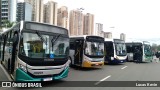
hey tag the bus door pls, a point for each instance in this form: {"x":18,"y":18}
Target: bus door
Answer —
{"x":109,"y":51}
{"x":14,"y":52}
{"x":78,"y":52}
{"x":7,"y":53}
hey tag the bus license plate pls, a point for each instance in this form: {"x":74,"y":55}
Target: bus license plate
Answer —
{"x":47,"y":79}
{"x":121,"y":61}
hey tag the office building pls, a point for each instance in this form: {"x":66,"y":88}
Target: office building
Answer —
{"x":8,"y":11}
{"x":24,"y":11}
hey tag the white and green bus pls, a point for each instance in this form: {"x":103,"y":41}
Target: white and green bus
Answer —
{"x":32,"y":51}
{"x":143,"y":46}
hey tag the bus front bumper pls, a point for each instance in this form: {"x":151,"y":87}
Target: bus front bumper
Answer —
{"x":23,"y":76}
{"x":118,"y":61}
{"x":89,"y":64}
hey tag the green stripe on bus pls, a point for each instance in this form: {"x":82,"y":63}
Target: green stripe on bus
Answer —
{"x":63,"y":75}
{"x":22,"y":76}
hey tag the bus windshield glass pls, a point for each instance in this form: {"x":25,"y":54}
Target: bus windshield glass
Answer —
{"x":41,"y":45}
{"x":94,"y":48}
{"x":120,"y":49}
{"x":147,"y":50}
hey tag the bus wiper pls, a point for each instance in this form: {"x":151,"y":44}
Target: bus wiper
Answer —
{"x":40,"y":36}
{"x":55,"y":39}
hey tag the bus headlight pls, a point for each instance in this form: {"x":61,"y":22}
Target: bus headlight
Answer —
{"x":22,"y":67}
{"x":112,"y":58}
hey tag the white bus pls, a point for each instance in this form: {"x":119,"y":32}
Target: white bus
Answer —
{"x":115,"y":51}
{"x":87,"y":51}
{"x":143,"y":46}
{"x":32,"y":51}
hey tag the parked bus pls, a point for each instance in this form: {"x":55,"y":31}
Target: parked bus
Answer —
{"x":115,"y":51}
{"x":87,"y":51}
{"x":32,"y":51}
{"x":145,"y":49}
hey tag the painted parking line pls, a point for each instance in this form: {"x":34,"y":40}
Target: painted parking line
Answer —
{"x":124,"y":67}
{"x":102,"y":80}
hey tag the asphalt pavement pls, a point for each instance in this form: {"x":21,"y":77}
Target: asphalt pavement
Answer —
{"x":128,"y":71}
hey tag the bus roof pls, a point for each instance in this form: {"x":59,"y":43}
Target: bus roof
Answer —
{"x":43,"y":24}
{"x":112,"y":39}
{"x":37,"y":26}
{"x":109,"y":39}
{"x":146,"y":42}
{"x":83,"y":36}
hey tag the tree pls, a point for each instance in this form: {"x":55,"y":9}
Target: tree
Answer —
{"x":7,"y":24}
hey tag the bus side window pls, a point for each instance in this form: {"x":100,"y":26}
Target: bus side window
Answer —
{"x":7,"y":46}
{"x":11,"y":40}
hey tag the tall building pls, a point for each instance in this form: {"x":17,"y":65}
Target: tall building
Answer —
{"x":8,"y":11}
{"x":102,"y":34}
{"x":62,"y":17}
{"x":37,"y":10}
{"x":88,"y":24}
{"x":50,"y":14}
{"x":98,"y":29}
{"x":24,"y":11}
{"x":13,"y":9}
{"x":0,"y":12}
{"x":107,"y":34}
{"x":123,"y":36}
{"x":76,"y":22}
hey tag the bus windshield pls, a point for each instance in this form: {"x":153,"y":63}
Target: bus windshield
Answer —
{"x":120,"y":49}
{"x":94,"y":48}
{"x":147,"y":50}
{"x":40,"y":45}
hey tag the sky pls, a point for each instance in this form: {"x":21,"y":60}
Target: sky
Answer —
{"x":138,"y":19}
